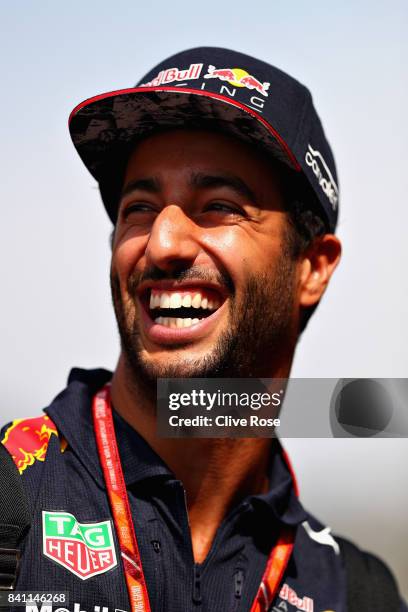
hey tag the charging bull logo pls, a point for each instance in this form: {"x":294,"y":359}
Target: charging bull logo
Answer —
{"x":27,"y":440}
{"x":238,"y":78}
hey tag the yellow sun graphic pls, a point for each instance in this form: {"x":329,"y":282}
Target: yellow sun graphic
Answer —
{"x":239,"y":73}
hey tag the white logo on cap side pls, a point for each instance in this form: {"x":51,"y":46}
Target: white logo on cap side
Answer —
{"x":328,"y":185}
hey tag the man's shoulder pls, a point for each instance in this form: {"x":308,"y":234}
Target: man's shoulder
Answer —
{"x":368,"y":579}
{"x":28,"y":440}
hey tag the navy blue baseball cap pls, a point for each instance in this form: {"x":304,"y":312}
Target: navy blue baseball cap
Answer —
{"x":214,"y":88}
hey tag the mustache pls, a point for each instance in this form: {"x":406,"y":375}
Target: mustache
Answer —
{"x":195,"y":273}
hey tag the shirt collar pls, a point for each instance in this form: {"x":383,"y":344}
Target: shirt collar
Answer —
{"x":282,"y":498}
{"x":71,"y":413}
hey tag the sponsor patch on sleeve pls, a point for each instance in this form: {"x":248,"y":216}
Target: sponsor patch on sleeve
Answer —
{"x":27,"y":440}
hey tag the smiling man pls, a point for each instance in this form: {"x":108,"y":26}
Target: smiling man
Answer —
{"x":222,"y":188}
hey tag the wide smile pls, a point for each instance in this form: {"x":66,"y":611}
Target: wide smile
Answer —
{"x":179,"y":313}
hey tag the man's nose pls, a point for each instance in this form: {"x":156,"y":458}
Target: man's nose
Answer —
{"x":173,"y":240}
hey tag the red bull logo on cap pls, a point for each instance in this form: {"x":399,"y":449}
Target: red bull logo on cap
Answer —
{"x":238,"y":78}
{"x":172,"y":75}
{"x":27,"y":440}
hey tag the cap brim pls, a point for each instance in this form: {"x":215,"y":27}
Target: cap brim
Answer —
{"x":102,"y":126}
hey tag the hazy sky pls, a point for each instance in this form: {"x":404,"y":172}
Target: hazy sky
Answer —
{"x":56,"y":309}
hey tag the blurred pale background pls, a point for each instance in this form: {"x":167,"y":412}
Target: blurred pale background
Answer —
{"x":56,"y":309}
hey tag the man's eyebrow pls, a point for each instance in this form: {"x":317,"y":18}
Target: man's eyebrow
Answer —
{"x":202,"y":181}
{"x":199,"y":180}
{"x":151,"y":185}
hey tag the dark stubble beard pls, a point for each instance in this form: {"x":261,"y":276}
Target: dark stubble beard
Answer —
{"x":259,"y":336}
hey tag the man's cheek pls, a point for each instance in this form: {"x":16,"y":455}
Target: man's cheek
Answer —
{"x":127,"y":254}
{"x":120,"y":292}
{"x":228,"y":249}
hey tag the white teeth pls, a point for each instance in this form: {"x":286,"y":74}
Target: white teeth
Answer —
{"x":176,"y":323}
{"x":175,"y":300}
{"x":187,"y":301}
{"x":155,"y":300}
{"x":164,"y":300}
{"x":196,"y":301}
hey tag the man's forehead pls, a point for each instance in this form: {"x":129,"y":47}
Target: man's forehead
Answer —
{"x":204,"y":138}
{"x":202,"y":159}
{"x":179,"y":148}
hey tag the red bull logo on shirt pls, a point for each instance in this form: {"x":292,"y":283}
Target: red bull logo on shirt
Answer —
{"x":85,"y":549}
{"x":288,"y":594}
{"x":238,"y":78}
{"x":27,"y":440}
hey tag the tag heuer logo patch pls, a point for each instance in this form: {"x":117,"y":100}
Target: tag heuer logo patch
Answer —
{"x":85,"y":549}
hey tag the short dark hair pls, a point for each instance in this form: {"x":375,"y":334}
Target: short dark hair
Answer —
{"x":306,"y":221}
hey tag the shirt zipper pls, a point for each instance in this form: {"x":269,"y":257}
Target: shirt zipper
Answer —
{"x":238,"y":579}
{"x":197,"y":598}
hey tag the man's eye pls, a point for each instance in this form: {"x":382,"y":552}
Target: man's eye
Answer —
{"x":138,"y":207}
{"x":224,"y":208}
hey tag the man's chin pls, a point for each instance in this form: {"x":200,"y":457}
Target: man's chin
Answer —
{"x":174,"y":365}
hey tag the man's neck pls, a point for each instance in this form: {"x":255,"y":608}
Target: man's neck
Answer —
{"x":216,"y":473}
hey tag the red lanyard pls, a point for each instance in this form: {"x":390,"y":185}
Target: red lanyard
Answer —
{"x":122,"y":518}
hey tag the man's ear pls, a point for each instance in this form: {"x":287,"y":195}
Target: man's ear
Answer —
{"x":317,"y":265}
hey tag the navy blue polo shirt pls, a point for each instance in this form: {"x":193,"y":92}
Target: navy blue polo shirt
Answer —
{"x":72,"y":545}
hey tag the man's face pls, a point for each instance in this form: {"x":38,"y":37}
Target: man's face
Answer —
{"x":202,"y":280}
